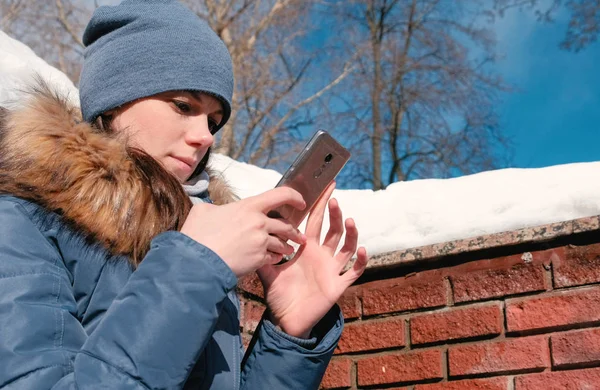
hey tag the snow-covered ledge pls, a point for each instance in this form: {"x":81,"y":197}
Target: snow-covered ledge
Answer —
{"x":497,"y":240}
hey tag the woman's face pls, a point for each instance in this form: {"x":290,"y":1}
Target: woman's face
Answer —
{"x":176,"y":128}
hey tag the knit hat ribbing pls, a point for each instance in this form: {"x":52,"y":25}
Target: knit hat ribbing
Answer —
{"x":144,"y":47}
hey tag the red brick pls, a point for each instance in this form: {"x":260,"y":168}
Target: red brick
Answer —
{"x":457,"y":324}
{"x":337,"y":374}
{"x":398,"y":388}
{"x":506,"y":262}
{"x":407,"y":367}
{"x":576,"y":347}
{"x":366,"y":336}
{"x":398,"y":298}
{"x":562,"y":309}
{"x":562,"y":380}
{"x":350,"y":304}
{"x":499,"y":357}
{"x":486,"y":284}
{"x":579,"y":265}
{"x":251,"y":283}
{"x":250,"y":314}
{"x":470,"y":384}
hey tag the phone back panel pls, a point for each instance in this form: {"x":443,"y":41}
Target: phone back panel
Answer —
{"x":314,"y":169}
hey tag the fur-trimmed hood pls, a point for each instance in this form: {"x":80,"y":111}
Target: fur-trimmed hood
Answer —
{"x":115,"y":195}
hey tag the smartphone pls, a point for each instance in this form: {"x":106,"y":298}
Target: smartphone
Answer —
{"x":313,"y":170}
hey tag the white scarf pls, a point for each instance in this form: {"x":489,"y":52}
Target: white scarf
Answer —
{"x":196,"y":187}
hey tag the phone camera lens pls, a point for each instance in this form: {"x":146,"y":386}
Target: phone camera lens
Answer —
{"x":328,"y":158}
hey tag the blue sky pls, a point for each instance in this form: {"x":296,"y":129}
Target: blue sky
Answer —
{"x":553,"y":116}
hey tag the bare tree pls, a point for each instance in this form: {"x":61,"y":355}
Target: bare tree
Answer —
{"x":422,"y":102}
{"x":276,"y":84}
{"x":584,"y":25}
{"x":53,"y":29}
{"x":584,"y":18}
{"x":9,"y":12}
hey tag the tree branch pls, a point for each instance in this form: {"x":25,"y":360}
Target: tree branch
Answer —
{"x":270,"y":135}
{"x":62,"y":19}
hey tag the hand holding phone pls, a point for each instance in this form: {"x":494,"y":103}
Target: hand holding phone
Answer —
{"x":313,"y":170}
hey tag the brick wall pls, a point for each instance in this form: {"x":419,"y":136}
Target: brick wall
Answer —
{"x":524,"y":321}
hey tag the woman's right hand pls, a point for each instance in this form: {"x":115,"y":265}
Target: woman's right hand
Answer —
{"x":242,"y":234}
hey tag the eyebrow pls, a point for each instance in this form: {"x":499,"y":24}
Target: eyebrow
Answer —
{"x":198,"y":96}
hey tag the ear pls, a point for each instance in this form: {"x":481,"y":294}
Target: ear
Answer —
{"x":99,"y":124}
{"x":103,"y":122}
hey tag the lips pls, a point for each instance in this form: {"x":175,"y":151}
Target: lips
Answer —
{"x":191,"y":162}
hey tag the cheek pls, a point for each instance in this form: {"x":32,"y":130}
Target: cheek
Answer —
{"x":152,"y":136}
{"x":154,"y":141}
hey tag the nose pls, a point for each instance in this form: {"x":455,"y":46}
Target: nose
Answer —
{"x":198,"y":134}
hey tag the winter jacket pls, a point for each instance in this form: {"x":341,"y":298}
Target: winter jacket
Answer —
{"x":78,"y":311}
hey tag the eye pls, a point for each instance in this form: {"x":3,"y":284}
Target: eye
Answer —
{"x":213,"y":126}
{"x":183,"y":107}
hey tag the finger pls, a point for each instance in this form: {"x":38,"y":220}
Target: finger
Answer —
{"x":350,"y":243}
{"x":336,"y":227}
{"x":265,"y":272}
{"x":314,"y":222}
{"x":279,"y":247}
{"x":285,"y":230}
{"x":277,"y":197}
{"x":358,"y":268}
{"x":272,"y":258}
{"x":268,"y":272}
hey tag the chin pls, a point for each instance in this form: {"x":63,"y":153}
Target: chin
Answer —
{"x":181,"y":178}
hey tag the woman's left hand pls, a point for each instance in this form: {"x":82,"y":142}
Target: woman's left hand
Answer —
{"x":300,"y":292}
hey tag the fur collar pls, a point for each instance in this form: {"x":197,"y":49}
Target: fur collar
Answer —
{"x":112,"y":194}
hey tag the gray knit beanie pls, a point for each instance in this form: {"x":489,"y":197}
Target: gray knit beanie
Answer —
{"x":143,"y":47}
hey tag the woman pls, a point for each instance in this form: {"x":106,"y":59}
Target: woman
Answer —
{"x":109,"y":277}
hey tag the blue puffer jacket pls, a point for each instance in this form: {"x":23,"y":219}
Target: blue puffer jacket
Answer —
{"x":75,"y":316}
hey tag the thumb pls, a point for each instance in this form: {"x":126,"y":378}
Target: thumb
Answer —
{"x":277,"y":197}
{"x":267,"y":274}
